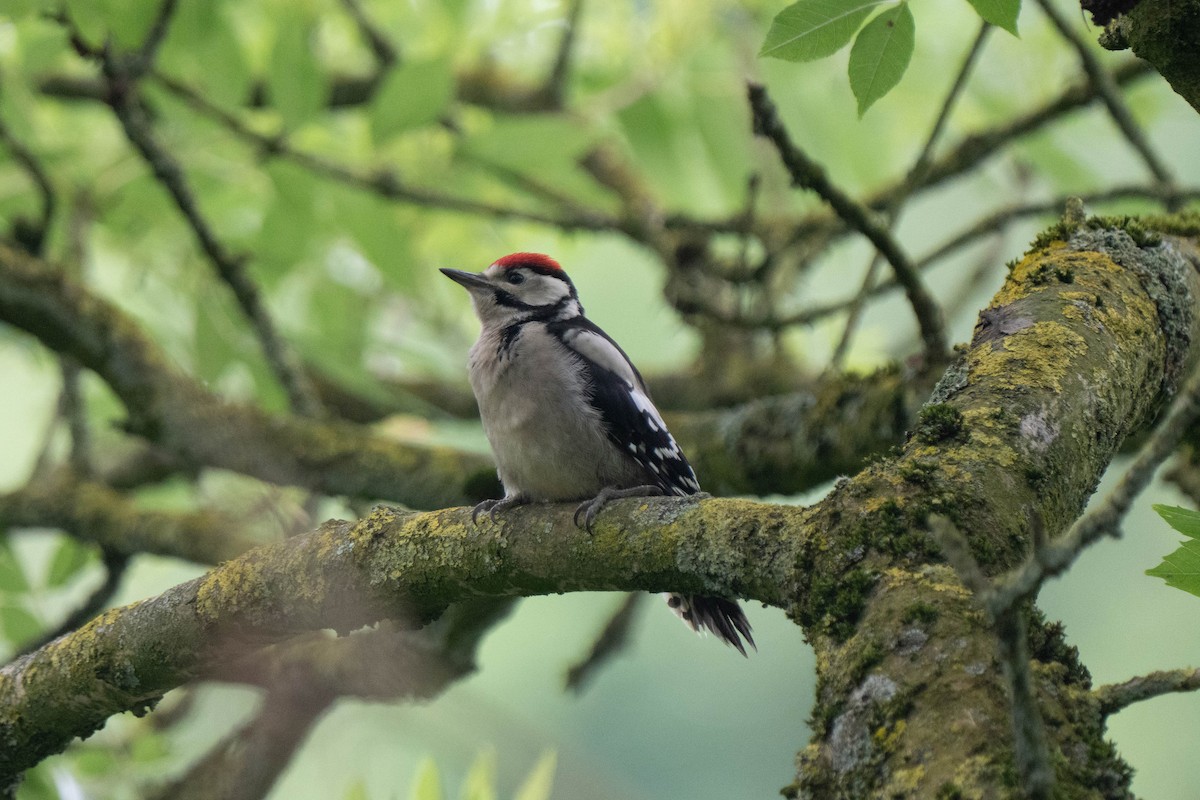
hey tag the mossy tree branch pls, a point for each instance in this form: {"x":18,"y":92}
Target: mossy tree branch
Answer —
{"x":93,"y":512}
{"x":177,"y":413}
{"x":1164,"y":33}
{"x":1076,"y":350}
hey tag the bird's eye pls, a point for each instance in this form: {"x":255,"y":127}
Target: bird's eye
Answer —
{"x":514,"y":278}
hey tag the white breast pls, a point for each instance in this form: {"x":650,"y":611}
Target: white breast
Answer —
{"x":548,"y":441}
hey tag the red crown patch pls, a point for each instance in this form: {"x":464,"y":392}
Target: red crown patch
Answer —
{"x":528,"y":260}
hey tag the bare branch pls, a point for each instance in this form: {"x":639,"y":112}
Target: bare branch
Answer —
{"x":182,"y":416}
{"x":1110,"y":93}
{"x":146,"y":54}
{"x":32,"y":237}
{"x":1029,"y":732}
{"x":386,"y":54}
{"x":556,"y":81}
{"x":284,"y":362}
{"x":807,"y":174}
{"x":93,"y":512}
{"x":612,"y":640}
{"x":1115,"y":697}
{"x":246,"y":764}
{"x":894,"y":209}
{"x":384,"y":184}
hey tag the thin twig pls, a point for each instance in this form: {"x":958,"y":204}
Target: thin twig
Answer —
{"x":1012,"y":638}
{"x":383,"y":184}
{"x":114,"y":570}
{"x":1056,"y":556}
{"x":386,"y":54}
{"x":75,"y":413}
{"x":283,"y":361}
{"x":612,"y":640}
{"x":1117,"y":696}
{"x":990,"y":225}
{"x":957,"y":552}
{"x":916,"y":174}
{"x":1030,"y":752}
{"x":248,"y":762}
{"x":144,"y":60}
{"x":981,"y":145}
{"x":34,"y":237}
{"x":72,"y":406}
{"x":896,"y":207}
{"x":1107,"y":88}
{"x":556,"y":81}
{"x":808,"y":174}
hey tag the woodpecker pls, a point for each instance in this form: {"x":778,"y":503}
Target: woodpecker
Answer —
{"x":568,"y":415}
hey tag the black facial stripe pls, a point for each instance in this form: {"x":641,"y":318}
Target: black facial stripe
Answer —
{"x":503,"y":298}
{"x":540,"y":313}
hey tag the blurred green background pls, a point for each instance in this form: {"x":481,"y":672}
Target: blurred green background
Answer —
{"x":352,"y":279}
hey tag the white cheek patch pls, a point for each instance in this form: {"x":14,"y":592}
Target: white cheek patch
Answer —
{"x":541,"y":290}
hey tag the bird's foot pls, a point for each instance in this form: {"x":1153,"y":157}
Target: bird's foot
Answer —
{"x":590,"y":508}
{"x":493,"y":507}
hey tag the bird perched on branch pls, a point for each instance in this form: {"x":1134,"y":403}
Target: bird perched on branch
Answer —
{"x":567,"y":414}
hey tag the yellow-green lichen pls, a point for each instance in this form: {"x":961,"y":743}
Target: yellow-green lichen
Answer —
{"x":905,"y":782}
{"x":1036,"y":358}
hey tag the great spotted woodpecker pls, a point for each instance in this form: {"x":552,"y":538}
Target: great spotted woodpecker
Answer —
{"x":567,"y":414}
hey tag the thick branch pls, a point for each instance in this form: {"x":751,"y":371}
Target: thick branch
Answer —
{"x":1073,"y":354}
{"x":177,"y":413}
{"x":405,"y":566}
{"x":1115,"y":696}
{"x":93,"y":512}
{"x":787,"y":444}
{"x":1164,"y":33}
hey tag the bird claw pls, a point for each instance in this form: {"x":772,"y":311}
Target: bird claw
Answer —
{"x":590,"y":509}
{"x":492,"y":507}
{"x":487,"y":506}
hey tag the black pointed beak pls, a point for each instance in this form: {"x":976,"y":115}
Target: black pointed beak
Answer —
{"x":469,"y":280}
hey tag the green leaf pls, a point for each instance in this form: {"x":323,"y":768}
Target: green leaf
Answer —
{"x":87,"y":18}
{"x":480,"y":783}
{"x":203,"y":49}
{"x":296,"y":82}
{"x":530,"y":141}
{"x":881,"y":54}
{"x":540,"y":780}
{"x":1183,"y":520}
{"x":427,"y":785}
{"x":12,"y":576}
{"x":411,"y":96}
{"x":357,"y":791}
{"x":69,"y":558}
{"x":1002,"y":13}
{"x":1181,"y":569}
{"x":148,"y":748}
{"x":16,"y":9}
{"x":812,"y":29}
{"x":18,"y":624}
{"x":128,"y":21}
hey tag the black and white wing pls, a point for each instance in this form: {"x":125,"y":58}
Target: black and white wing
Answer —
{"x":630,"y":418}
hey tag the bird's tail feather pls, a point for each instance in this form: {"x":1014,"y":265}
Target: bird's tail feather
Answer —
{"x":715,"y":614}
